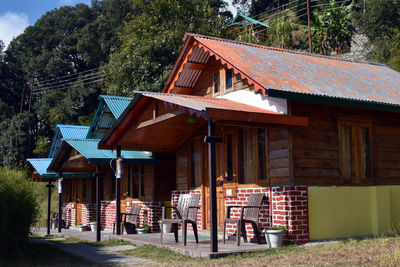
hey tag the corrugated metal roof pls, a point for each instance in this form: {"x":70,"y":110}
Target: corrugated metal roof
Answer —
{"x":73,"y":131}
{"x":241,"y":19}
{"x":199,"y":104}
{"x":89,"y":149}
{"x":41,"y":165}
{"x":117,"y":104}
{"x":297,"y":72}
{"x":107,"y":104}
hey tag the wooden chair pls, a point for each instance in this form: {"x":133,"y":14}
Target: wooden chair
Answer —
{"x":130,"y":220}
{"x":248,"y":214}
{"x":186,"y":212}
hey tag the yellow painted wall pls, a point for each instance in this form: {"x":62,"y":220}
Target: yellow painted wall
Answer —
{"x":336,"y":212}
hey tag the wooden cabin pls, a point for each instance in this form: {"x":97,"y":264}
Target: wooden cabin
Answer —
{"x":318,"y":135}
{"x":77,"y":159}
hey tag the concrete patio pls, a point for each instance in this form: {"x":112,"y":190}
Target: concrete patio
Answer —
{"x":202,"y":249}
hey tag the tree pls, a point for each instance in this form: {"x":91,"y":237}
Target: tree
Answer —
{"x":332,"y":29}
{"x":381,"y":24}
{"x":152,"y":40}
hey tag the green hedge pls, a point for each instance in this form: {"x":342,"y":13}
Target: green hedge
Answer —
{"x":18,"y":211}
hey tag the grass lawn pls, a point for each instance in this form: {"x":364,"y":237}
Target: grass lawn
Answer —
{"x":366,"y":252}
{"x":383,"y":251}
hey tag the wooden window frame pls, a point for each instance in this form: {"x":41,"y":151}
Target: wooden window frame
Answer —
{"x":257,"y":181}
{"x":356,"y":153}
{"x":140,"y":186}
{"x":222,"y":82}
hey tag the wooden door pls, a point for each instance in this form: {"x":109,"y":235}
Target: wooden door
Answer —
{"x":78,"y":199}
{"x":225,"y":175}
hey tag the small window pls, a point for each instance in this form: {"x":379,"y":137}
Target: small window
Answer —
{"x":129,"y":181}
{"x":135,"y":181}
{"x":216,"y":82}
{"x":355,"y":151}
{"x":261,"y":151}
{"x":229,"y":158}
{"x":196,"y":162}
{"x":228,"y":79}
{"x":141,"y":181}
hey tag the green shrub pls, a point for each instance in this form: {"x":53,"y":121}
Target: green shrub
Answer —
{"x":18,"y":211}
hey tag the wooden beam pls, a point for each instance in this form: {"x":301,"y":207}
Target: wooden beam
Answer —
{"x":255,"y":117}
{"x":158,"y":119}
{"x":195,"y":66}
{"x":79,"y":156}
{"x":182,"y":90}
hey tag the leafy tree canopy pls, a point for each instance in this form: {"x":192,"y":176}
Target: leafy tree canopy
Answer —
{"x":152,"y":40}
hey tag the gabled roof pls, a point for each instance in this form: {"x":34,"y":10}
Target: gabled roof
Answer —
{"x":41,"y":165}
{"x":112,"y":105}
{"x":67,"y":131}
{"x":290,"y":74}
{"x":241,"y":20}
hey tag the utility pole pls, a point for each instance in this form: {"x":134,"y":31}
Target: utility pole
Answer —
{"x":309,"y":26}
{"x":22,"y":98}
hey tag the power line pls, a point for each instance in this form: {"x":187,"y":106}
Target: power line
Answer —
{"x":67,"y":88}
{"x":74,"y":79}
{"x":64,"y":85}
{"x":73,"y":74}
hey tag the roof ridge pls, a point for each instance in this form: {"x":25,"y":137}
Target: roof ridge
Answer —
{"x":72,"y":126}
{"x":116,"y":97}
{"x":264,"y":47}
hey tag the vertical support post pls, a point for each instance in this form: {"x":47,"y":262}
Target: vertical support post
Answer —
{"x":49,"y":186}
{"x":60,"y":206}
{"x":213,"y":186}
{"x":98,"y":203}
{"x":309,"y":26}
{"x":118,"y":196}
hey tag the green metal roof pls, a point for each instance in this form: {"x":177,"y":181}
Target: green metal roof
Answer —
{"x":67,"y":131}
{"x":41,"y":165}
{"x":242,"y":20}
{"x":107,"y":104}
{"x":89,"y":149}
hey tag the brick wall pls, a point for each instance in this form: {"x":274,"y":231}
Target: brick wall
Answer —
{"x":289,"y":208}
{"x":69,"y":214}
{"x":107,"y":214}
{"x":88,"y":213}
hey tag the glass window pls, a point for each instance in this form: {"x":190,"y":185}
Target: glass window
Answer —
{"x":365,"y":152}
{"x":135,"y":181}
{"x":197,"y":162}
{"x":246,"y":145}
{"x":346,"y":151}
{"x":355,"y":151}
{"x":129,"y":181}
{"x":229,"y":158}
{"x":261,"y":151}
{"x":216,"y":82}
{"x":228,"y":79}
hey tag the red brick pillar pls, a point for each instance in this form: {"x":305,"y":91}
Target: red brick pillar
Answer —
{"x":290,"y":208}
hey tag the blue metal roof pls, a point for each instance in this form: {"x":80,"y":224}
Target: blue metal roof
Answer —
{"x":117,"y":104}
{"x":89,"y":149}
{"x":107,"y":104}
{"x":67,"y":131}
{"x":41,"y":165}
{"x":73,"y":131}
{"x":241,"y":19}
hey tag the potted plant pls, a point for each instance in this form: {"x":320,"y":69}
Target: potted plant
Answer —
{"x":81,"y":227}
{"x":143,"y":229}
{"x":274,"y":236}
{"x":166,"y":227}
{"x":93,"y":226}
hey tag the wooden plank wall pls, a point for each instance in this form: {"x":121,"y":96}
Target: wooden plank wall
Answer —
{"x":182,"y":167}
{"x":278,"y":156}
{"x":387,"y":146}
{"x":316,"y":147}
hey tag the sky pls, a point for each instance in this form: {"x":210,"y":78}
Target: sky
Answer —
{"x":16,"y":15}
